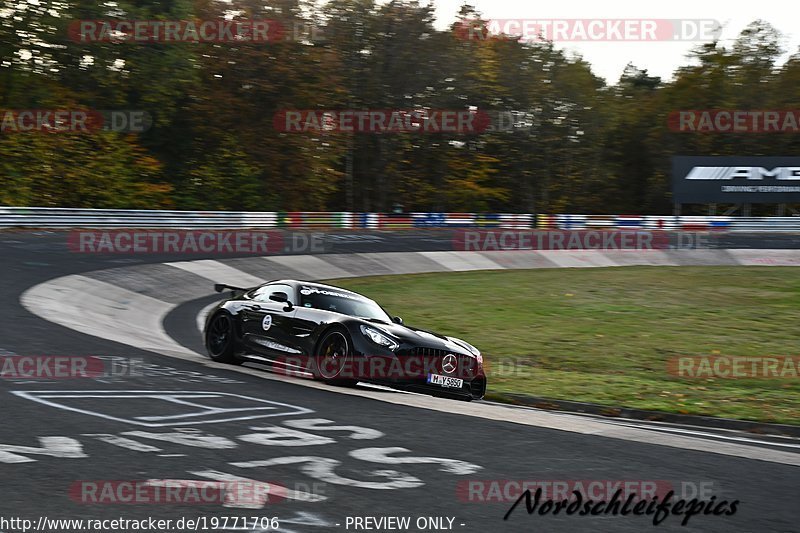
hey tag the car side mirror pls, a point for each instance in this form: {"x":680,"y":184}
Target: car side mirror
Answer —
{"x":281,"y":297}
{"x":397,"y":320}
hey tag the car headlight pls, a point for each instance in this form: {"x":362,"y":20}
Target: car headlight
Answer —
{"x":378,"y":337}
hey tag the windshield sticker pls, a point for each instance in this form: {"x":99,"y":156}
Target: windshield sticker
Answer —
{"x":305,"y":291}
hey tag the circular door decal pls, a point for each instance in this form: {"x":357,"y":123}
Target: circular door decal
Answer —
{"x":267,"y":322}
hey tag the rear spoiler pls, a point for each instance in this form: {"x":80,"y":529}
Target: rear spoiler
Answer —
{"x":219,"y":287}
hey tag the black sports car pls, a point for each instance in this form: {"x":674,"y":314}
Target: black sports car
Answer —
{"x":338,"y":336}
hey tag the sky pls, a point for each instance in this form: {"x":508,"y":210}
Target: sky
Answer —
{"x":661,"y":58}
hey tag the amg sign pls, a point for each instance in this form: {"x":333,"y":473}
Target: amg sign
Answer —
{"x":736,"y":180}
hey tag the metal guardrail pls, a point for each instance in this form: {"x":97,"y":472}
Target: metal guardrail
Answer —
{"x":56,"y":217}
{"x":46,"y":217}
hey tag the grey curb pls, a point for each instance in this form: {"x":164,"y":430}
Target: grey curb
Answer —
{"x":550,"y":404}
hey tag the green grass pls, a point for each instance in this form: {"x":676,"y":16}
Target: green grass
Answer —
{"x":605,"y":335}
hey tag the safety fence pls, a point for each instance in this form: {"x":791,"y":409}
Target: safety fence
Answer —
{"x":54,"y":218}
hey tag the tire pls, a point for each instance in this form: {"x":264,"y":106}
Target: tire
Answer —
{"x":220,"y":339}
{"x":330,"y":358}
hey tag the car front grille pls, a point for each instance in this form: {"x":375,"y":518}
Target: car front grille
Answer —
{"x":466,"y":366}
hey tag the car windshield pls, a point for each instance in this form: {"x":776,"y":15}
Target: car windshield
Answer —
{"x":341,"y":302}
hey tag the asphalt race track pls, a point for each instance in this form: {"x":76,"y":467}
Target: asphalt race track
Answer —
{"x":326,"y":456}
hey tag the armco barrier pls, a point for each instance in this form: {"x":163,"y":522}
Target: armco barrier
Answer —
{"x":49,"y":217}
{"x":46,"y":217}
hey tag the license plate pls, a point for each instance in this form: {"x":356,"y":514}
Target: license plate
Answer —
{"x":444,"y":381}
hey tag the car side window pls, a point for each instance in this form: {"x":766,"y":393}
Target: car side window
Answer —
{"x":262,"y":294}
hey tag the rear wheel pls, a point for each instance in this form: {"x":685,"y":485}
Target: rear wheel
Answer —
{"x":220,"y":339}
{"x":332,"y":357}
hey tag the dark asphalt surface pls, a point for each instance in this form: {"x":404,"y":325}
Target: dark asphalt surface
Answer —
{"x":351,"y":485}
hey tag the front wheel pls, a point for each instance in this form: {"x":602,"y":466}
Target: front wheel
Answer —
{"x":220,"y":339}
{"x":332,"y":357}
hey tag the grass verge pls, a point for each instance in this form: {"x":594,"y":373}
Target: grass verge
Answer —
{"x":605,"y":335}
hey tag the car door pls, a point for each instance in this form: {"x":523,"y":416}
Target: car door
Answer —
{"x":266,"y":324}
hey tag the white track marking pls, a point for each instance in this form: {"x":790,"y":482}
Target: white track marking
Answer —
{"x":264,"y":408}
{"x":322,"y":469}
{"x":103,"y":310}
{"x":195,"y":439}
{"x":578,"y":259}
{"x":385,"y":456}
{"x":123,"y":442}
{"x":280,"y":436}
{"x":766,"y":257}
{"x":218,"y":272}
{"x":403,"y":262}
{"x":310,"y":265}
{"x":634,"y":258}
{"x":322,"y":424}
{"x":64,"y":447}
{"x":462,"y":261}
